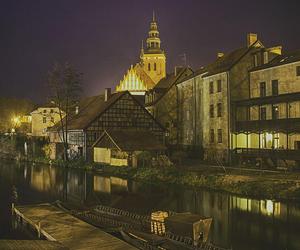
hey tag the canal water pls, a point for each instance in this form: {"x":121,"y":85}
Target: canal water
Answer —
{"x":238,"y":222}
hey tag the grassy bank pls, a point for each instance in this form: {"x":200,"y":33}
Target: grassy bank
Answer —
{"x":261,"y":187}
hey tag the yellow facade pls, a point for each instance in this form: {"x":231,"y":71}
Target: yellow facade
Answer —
{"x":133,"y":82}
{"x":42,"y":119}
{"x":151,"y":68}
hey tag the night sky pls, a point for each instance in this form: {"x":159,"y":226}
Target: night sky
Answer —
{"x":102,"y":38}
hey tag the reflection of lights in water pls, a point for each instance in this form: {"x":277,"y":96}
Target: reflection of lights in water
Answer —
{"x":25,"y":172}
{"x":122,"y":183}
{"x":270,"y":207}
{"x":102,"y":184}
{"x":265,"y":207}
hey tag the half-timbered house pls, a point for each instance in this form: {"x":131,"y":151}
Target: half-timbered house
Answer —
{"x":118,"y":111}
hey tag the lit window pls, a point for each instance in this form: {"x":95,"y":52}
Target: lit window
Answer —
{"x":211,"y":87}
{"x":212,"y":136}
{"x":211,"y":111}
{"x":44,"y":119}
{"x":219,"y":109}
{"x":219,"y":135}
{"x":219,"y":85}
{"x":275,"y":112}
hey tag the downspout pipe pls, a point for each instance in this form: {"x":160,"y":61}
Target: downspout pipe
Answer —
{"x":229,"y":119}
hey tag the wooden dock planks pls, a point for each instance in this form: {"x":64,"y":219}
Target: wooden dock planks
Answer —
{"x":67,"y":229}
{"x":30,"y":245}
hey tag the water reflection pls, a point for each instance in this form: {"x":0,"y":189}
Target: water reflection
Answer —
{"x":238,"y":222}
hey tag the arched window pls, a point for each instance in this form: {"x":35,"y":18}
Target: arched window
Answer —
{"x":154,"y":66}
{"x":149,"y":67}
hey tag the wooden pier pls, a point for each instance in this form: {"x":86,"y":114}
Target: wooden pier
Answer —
{"x":54,"y":224}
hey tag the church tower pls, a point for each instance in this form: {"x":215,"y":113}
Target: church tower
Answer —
{"x":153,"y":58}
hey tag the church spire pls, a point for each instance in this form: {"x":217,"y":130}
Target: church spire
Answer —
{"x":153,"y":40}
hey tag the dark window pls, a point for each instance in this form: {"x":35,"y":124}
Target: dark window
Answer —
{"x":149,"y":67}
{"x":44,"y":119}
{"x":45,"y":111}
{"x":263,"y":113}
{"x":211,"y":111}
{"x":211,"y":87}
{"x":255,"y":60}
{"x":212,"y":136}
{"x":298,"y":70}
{"x":219,"y":85}
{"x":154,"y":66}
{"x":51,"y":111}
{"x":52,"y":119}
{"x":219,"y":135}
{"x":219,"y":109}
{"x":262,"y":87}
{"x":274,"y":87}
{"x":275,"y":112}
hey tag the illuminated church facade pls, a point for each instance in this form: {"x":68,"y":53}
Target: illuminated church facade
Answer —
{"x":151,"y":68}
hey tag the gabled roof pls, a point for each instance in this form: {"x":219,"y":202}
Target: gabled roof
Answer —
{"x":226,"y":62}
{"x":92,"y":107}
{"x":171,"y":78}
{"x":289,"y":57}
{"x":223,"y":63}
{"x":130,"y":140}
{"x":166,"y":83}
{"x":89,"y":109}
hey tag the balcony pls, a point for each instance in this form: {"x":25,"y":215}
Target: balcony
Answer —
{"x":283,"y":98}
{"x":290,"y":125}
{"x":284,"y":154}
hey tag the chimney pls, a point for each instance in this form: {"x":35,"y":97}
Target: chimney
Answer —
{"x":275,"y":50}
{"x":220,"y":54}
{"x":251,"y":39}
{"x":107,"y":94}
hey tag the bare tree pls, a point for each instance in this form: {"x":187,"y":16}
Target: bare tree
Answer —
{"x":65,"y":85}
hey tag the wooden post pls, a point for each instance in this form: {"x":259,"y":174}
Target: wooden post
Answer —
{"x":39,"y":229}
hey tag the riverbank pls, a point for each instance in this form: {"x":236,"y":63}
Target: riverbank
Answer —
{"x":253,"y":186}
{"x":282,"y":186}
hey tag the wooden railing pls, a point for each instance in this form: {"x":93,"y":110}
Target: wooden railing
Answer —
{"x":277,"y":125}
{"x":285,"y":154}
